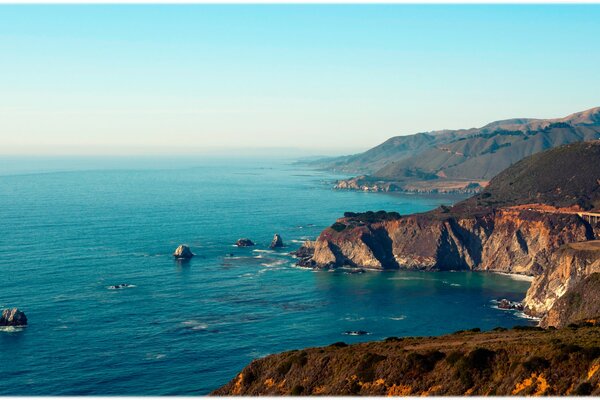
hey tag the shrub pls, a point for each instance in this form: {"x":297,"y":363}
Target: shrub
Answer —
{"x":338,"y":344}
{"x":454,"y":357}
{"x":477,"y":362}
{"x":300,"y":359}
{"x":499,"y":329}
{"x":365,"y":370}
{"x":590,"y":353}
{"x":297,"y":390}
{"x":421,"y":363}
{"x":536,"y":363}
{"x":393,"y":339}
{"x":338,"y":226}
{"x":479,"y":359}
{"x":349,"y":214}
{"x":584,"y":389}
{"x":527,"y":328}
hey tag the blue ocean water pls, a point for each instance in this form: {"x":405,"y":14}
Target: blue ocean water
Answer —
{"x":188,"y":328}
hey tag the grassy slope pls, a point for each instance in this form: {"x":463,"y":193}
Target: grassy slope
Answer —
{"x":522,"y":362}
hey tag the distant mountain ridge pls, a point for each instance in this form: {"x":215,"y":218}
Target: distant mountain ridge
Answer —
{"x":469,"y":155}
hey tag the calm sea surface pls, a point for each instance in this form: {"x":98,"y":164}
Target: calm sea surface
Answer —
{"x":186,"y":329}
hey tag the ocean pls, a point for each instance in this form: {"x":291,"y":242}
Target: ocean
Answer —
{"x":71,"y":228}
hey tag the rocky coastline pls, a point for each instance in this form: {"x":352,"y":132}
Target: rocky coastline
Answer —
{"x":439,"y":186}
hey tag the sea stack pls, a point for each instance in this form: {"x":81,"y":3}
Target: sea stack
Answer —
{"x":13,"y":317}
{"x":183,"y":252}
{"x":276,"y":242}
{"x":244,"y":242}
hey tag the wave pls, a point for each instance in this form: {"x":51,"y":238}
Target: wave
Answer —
{"x":399,"y":318}
{"x":150,"y":356}
{"x":406,"y":278}
{"x":11,"y":329}
{"x":263,"y":251}
{"x":521,"y":314}
{"x":195,"y":325}
{"x":350,"y":318}
{"x":273,"y":263}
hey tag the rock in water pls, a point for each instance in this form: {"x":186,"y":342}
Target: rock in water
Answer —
{"x":13,"y":317}
{"x":244,"y":242}
{"x":276,"y":242}
{"x":183,"y":252}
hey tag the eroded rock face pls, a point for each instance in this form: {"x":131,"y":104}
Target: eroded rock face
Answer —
{"x":183,"y":252}
{"x":244,"y":242}
{"x":513,"y":241}
{"x":580,"y":302}
{"x":13,"y":317}
{"x":564,"y":269}
{"x":276,"y":242}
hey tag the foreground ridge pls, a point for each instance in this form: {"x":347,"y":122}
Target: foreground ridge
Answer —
{"x":521,"y":361}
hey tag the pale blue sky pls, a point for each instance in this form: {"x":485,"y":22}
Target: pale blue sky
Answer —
{"x":161,"y":79}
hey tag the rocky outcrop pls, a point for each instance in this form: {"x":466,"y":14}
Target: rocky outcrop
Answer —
{"x":244,"y":242}
{"x":523,"y":361}
{"x":13,"y":317}
{"x":183,"y":252}
{"x":504,"y":240}
{"x":580,"y":302}
{"x":564,"y":269}
{"x":276,"y":242}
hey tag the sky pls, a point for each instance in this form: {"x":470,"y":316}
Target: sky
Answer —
{"x":316,"y":79}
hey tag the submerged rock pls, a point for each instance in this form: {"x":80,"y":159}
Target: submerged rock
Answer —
{"x":244,"y":242}
{"x":183,"y":252}
{"x":120,"y":286}
{"x":505,"y":304}
{"x":13,"y":317}
{"x":356,"y":333}
{"x":276,"y":242}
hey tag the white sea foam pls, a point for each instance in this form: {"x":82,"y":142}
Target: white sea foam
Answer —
{"x":351,"y":318}
{"x":11,"y":329}
{"x":263,"y":251}
{"x":120,"y":286}
{"x":516,"y":277}
{"x":274,"y":263}
{"x":151,"y":356}
{"x":521,"y":314}
{"x":399,"y":318}
{"x":406,"y":278}
{"x":194,"y":325}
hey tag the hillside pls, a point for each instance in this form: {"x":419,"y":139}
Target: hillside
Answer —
{"x":521,"y":361}
{"x":567,"y":176}
{"x":471,"y":156}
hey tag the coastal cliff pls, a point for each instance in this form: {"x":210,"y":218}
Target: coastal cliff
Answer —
{"x":564,"y":293}
{"x":523,"y":361}
{"x":527,"y":221}
{"x":503,"y":240}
